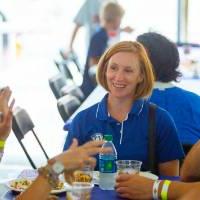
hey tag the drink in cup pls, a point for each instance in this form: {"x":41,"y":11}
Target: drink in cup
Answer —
{"x":128,"y":166}
{"x":80,"y":191}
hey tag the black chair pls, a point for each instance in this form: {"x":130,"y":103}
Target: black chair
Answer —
{"x":71,"y":57}
{"x":67,"y":106}
{"x":74,"y":90}
{"x":63,"y":69}
{"x":56,"y":83}
{"x":70,"y":64}
{"x":22,"y":124}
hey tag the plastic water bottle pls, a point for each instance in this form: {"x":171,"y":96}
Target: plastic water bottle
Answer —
{"x":107,"y":165}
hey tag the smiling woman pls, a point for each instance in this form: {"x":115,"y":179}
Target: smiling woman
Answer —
{"x":125,"y":71}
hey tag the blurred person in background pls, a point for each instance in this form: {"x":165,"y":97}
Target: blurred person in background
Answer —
{"x":125,"y":72}
{"x":183,"y":105}
{"x":88,"y":16}
{"x":5,"y":117}
{"x":110,"y":16}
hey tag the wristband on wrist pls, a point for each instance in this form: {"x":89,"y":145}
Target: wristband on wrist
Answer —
{"x":1,"y":155}
{"x":155,"y":189}
{"x":164,"y":190}
{"x":2,"y":144}
{"x":48,"y":174}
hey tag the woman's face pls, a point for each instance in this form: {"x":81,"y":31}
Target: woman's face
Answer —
{"x":123,"y":74}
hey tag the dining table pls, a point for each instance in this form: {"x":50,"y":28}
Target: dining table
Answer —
{"x":7,"y":194}
{"x":97,"y":194}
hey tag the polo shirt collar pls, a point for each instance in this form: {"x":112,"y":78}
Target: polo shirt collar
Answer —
{"x":162,"y":86}
{"x":102,"y":110}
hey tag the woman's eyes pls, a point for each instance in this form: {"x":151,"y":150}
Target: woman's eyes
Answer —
{"x":115,"y":68}
{"x":128,"y":70}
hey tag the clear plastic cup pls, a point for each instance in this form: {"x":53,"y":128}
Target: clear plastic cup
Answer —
{"x":80,"y":191}
{"x":84,"y":175}
{"x":128,"y":166}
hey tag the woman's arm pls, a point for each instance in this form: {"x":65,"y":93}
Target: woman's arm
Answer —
{"x":191,"y":165}
{"x":35,"y":192}
{"x":138,"y":187}
{"x":170,"y":168}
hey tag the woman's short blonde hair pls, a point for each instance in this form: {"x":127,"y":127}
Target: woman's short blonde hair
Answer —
{"x":145,"y":87}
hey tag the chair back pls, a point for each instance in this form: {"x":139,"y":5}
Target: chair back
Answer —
{"x":56,"y":83}
{"x":74,"y":91}
{"x":22,"y":124}
{"x":73,"y":57}
{"x":67,"y":106}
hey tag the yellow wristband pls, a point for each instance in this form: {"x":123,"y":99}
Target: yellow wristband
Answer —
{"x":2,"y":144}
{"x":164,"y":190}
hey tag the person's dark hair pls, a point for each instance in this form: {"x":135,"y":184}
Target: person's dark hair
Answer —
{"x":163,"y":54}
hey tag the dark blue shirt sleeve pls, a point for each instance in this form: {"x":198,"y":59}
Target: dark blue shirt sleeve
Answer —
{"x":73,"y":132}
{"x":98,"y":44}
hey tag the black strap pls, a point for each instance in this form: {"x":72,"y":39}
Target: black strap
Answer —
{"x":153,"y":165}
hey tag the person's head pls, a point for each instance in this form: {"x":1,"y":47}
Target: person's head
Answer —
{"x":125,"y":70}
{"x":111,"y":14}
{"x":163,"y":54}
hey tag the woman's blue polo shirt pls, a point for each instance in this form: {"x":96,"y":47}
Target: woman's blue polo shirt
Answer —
{"x":133,"y":132}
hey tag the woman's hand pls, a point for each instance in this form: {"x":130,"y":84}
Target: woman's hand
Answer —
{"x":6,"y":113}
{"x":76,"y":157}
{"x":133,"y":186}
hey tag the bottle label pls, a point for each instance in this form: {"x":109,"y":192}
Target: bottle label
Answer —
{"x":107,"y":166}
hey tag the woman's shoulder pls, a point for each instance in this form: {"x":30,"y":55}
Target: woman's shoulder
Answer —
{"x":161,"y":113}
{"x":84,"y":114}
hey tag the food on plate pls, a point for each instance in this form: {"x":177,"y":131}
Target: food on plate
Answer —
{"x":23,"y":184}
{"x":59,"y":186}
{"x":81,"y":176}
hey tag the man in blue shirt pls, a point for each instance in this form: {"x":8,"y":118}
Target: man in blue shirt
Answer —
{"x":183,"y":105}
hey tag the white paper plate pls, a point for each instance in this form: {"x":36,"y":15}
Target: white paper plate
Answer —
{"x":24,"y":187}
{"x":149,"y":175}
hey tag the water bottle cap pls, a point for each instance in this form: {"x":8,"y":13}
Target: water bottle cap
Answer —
{"x":108,"y":137}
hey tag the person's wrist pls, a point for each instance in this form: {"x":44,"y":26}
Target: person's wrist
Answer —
{"x":164,"y":190}
{"x":2,"y":143}
{"x":155,"y":189}
{"x":56,"y":166}
{"x":47,"y":173}
{"x":1,"y":154}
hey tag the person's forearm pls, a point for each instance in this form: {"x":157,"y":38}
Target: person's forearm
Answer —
{"x":40,"y":189}
{"x":179,"y":189}
{"x":2,"y":144}
{"x":1,"y":154}
{"x":93,"y":61}
{"x":74,"y":33}
{"x":170,"y":168}
{"x":191,"y":163}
